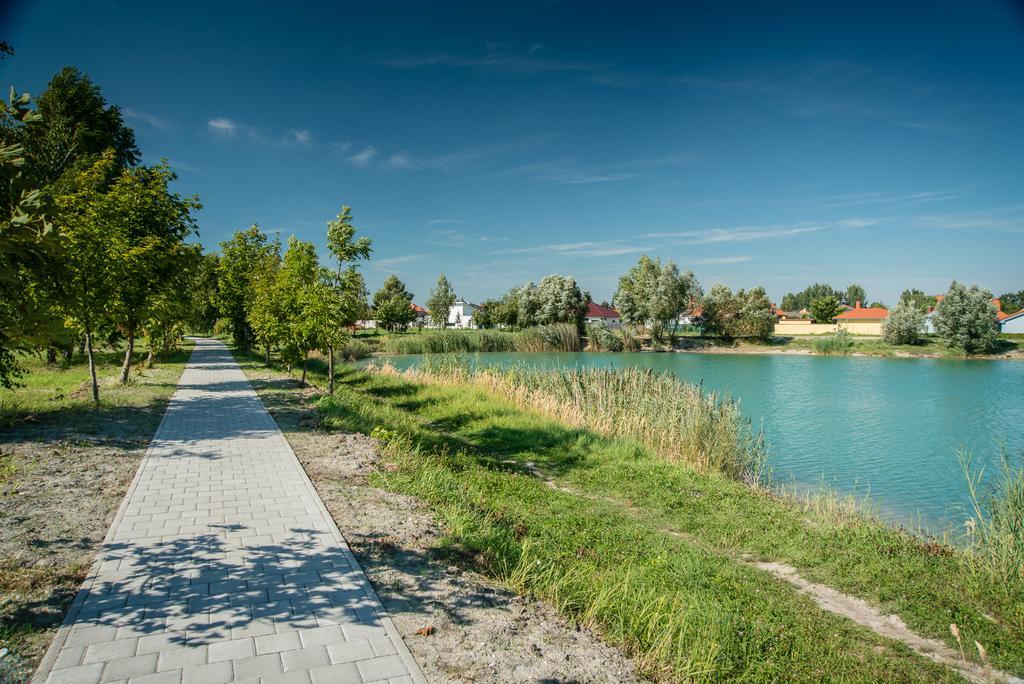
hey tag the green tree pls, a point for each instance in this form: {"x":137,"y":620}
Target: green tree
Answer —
{"x":528,"y":309}
{"x":747,"y":313}
{"x":242,"y":260}
{"x":824,"y":309}
{"x":78,"y":126}
{"x":905,"y":324}
{"x":654,"y":294}
{"x":265,"y":304}
{"x":392,"y":304}
{"x":506,"y":314}
{"x":485,"y":313}
{"x":1012,"y":302}
{"x":337,"y":299}
{"x":966,"y":319}
{"x":28,"y":243}
{"x":440,"y":302}
{"x":92,"y":249}
{"x":171,"y":306}
{"x":803,"y":299}
{"x":854,"y":293}
{"x":561,"y":301}
{"x":154,"y":223}
{"x":919,"y":299}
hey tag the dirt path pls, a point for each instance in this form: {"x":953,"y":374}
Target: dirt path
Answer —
{"x":480,"y":631}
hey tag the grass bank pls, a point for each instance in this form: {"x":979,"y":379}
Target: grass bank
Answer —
{"x":64,"y":468}
{"x":655,"y":555}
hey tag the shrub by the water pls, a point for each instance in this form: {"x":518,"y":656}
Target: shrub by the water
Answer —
{"x":602,"y":339}
{"x":905,"y":324}
{"x":834,"y":345}
{"x":354,"y":349}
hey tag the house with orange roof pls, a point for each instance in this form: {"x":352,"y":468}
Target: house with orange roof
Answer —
{"x":597,"y":313}
{"x":861,"y":320}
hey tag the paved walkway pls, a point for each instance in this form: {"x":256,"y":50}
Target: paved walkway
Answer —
{"x":223,"y":564}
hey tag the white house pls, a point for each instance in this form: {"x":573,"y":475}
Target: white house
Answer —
{"x":597,"y":313}
{"x":1013,"y":323}
{"x":460,"y":315}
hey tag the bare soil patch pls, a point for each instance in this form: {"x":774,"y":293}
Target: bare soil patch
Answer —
{"x":59,"y":491}
{"x":460,"y":626}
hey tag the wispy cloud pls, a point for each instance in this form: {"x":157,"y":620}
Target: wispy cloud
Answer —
{"x":568,"y":173}
{"x":602,"y":248}
{"x":738,"y":234}
{"x":389,"y":263}
{"x":182,"y":166}
{"x":363,"y":158}
{"x":223,"y":126}
{"x":440,"y":221}
{"x":714,"y":261}
{"x":1009,"y":219}
{"x":881,"y":198}
{"x":302,"y":137}
{"x":151,"y":120}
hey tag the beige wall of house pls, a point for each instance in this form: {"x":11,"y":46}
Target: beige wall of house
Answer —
{"x":862,"y":327}
{"x":804,"y":328}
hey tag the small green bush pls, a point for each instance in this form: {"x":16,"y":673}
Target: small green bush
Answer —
{"x":834,"y":345}
{"x":353,"y":350}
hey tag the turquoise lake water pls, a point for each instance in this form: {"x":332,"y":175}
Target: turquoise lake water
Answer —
{"x":886,"y":428}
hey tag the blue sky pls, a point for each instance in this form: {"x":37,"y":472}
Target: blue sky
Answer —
{"x":756,"y":144}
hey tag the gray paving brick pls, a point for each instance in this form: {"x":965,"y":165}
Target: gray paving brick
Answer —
{"x":223,"y":566}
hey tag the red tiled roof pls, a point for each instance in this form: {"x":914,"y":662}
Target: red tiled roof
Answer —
{"x":869,"y":313}
{"x":598,"y":311}
{"x":417,"y":308}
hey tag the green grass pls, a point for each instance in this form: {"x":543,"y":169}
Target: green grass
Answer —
{"x":63,"y":389}
{"x":650,"y":553}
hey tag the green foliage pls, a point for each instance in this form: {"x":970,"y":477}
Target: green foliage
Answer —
{"x":918,"y":299}
{"x":839,"y":344}
{"x":484,"y":315}
{"x":562,"y":337}
{"x":353,"y":350}
{"x":966,"y":319}
{"x":803,"y":299}
{"x":77,"y":127}
{"x":996,"y":530}
{"x":600,"y":338}
{"x":547,"y":338}
{"x":654,"y":294}
{"x":905,"y":324}
{"x":241,"y":275}
{"x":28,"y":242}
{"x":824,"y":309}
{"x":1012,"y":302}
{"x":342,"y":242}
{"x":854,"y":293}
{"x":392,"y":305}
{"x":747,"y":313}
{"x":440,"y":302}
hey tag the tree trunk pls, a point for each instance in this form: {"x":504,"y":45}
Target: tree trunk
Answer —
{"x":126,"y":367}
{"x":305,"y":365}
{"x":266,"y":358}
{"x":330,"y":369}
{"x":51,"y":355}
{"x":92,"y":368}
{"x":69,"y":352}
{"x":149,"y":358}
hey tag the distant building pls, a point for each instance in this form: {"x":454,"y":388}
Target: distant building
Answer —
{"x":596,"y":313}
{"x":460,"y":315}
{"x":422,"y":315}
{"x":1012,"y":323}
{"x":863,"y":320}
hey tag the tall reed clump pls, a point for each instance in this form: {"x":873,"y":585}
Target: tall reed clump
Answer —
{"x":602,"y":339}
{"x":839,"y":344}
{"x":450,"y":342}
{"x":680,"y":421}
{"x":558,"y":337}
{"x":995,"y":533}
{"x":353,"y":350}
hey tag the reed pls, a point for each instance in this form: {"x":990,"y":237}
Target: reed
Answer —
{"x":839,"y":344}
{"x":995,"y":532}
{"x":681,"y":422}
{"x":545,"y":338}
